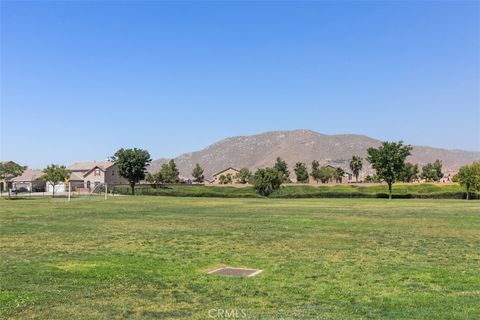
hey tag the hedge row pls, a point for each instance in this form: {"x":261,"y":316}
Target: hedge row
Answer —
{"x":231,"y":192}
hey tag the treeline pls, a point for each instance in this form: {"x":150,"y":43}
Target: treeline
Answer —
{"x":388,"y":161}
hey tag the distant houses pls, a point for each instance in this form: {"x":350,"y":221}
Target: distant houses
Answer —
{"x":85,"y":176}
{"x":30,"y":180}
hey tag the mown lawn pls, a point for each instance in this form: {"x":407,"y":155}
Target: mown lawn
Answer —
{"x":146,"y":257}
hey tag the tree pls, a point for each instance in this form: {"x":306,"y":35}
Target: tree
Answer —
{"x":432,"y":171}
{"x":301,"y":172}
{"x":132,"y":164}
{"x":244,"y":175}
{"x":154,"y":178}
{"x":469,"y":177}
{"x":170,"y":172}
{"x":326,"y":174}
{"x":356,"y":165}
{"x":409,"y":173}
{"x":226,"y":179}
{"x":372,"y":179}
{"x":282,"y":167}
{"x":338,"y":174}
{"x":54,"y":174}
{"x":197,"y":174}
{"x":388,"y":160}
{"x":267,"y":180}
{"x":315,"y":170}
{"x":10,"y":170}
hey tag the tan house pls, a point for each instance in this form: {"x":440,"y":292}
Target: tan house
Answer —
{"x":229,"y":171}
{"x":85,"y":176}
{"x":30,"y":180}
{"x":88,"y":175}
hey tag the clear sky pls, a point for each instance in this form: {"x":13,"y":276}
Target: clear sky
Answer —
{"x":81,"y":79}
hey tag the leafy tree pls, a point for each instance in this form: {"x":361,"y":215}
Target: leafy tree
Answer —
{"x":338,"y":174}
{"x":267,"y":180}
{"x":432,"y":171}
{"x":54,"y":174}
{"x":301,"y":172}
{"x":282,"y":167}
{"x":469,"y":177}
{"x":244,"y":175}
{"x":132,"y":164}
{"x":409,"y":173}
{"x":326,"y":174}
{"x":10,"y":170}
{"x":388,"y":160}
{"x":356,"y":165}
{"x":197,"y":174}
{"x":155,"y":178}
{"x":226,"y":179}
{"x":372,"y":179}
{"x":170,"y":172}
{"x":315,"y":174}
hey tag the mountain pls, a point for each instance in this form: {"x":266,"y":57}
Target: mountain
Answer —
{"x":261,"y":150}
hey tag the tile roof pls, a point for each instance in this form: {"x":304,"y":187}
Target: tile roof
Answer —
{"x":86,"y":166}
{"x":28,"y":175}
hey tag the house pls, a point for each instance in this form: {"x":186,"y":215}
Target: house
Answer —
{"x":30,"y":180}
{"x":91,"y":174}
{"x":85,"y":176}
{"x":347,"y":176}
{"x":229,"y":171}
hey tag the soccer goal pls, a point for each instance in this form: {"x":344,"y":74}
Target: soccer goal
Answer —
{"x":99,"y":191}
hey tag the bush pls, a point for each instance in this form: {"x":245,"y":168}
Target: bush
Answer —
{"x":266,"y":181}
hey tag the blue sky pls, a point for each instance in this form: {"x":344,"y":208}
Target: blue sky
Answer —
{"x":82,"y":79}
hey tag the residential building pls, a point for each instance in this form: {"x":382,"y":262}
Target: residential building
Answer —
{"x":229,"y":171}
{"x":30,"y":180}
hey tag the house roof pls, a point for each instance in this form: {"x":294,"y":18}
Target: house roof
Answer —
{"x":75,"y":177}
{"x":220,"y":172}
{"x":28,"y":175}
{"x":87,"y":166}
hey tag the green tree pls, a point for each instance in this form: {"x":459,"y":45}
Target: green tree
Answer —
{"x":54,"y":174}
{"x":325,"y":174}
{"x":9,"y":170}
{"x":154,"y":178}
{"x":197,"y":174}
{"x":409,"y":173}
{"x":301,"y":172}
{"x":315,"y":173}
{"x":432,"y":171}
{"x":267,"y":180}
{"x":244,"y":175}
{"x":372,"y":179}
{"x":132,"y":164}
{"x":282,"y":167}
{"x":469,"y":177}
{"x":226,"y":179}
{"x":338,"y":174}
{"x":356,"y":165}
{"x":170,"y":172}
{"x":388,"y":160}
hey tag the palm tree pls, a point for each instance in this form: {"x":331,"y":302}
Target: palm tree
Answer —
{"x":356,"y":164}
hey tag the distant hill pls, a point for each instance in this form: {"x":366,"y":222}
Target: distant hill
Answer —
{"x":261,"y":150}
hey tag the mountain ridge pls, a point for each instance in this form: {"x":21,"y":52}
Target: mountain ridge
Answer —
{"x":304,"y":145}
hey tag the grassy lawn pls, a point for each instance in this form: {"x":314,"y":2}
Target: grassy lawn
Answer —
{"x":146,"y":257}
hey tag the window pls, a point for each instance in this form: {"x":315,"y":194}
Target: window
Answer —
{"x":113,"y":172}
{"x":97,"y":172}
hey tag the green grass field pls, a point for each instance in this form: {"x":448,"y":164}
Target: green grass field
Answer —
{"x":146,"y":257}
